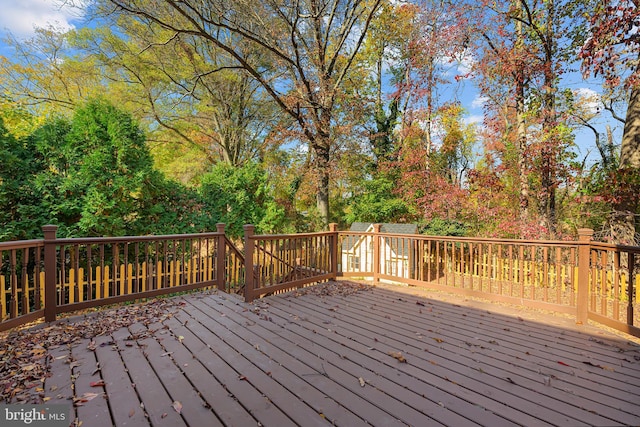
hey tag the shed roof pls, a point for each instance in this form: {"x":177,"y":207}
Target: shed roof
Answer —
{"x":351,"y":241}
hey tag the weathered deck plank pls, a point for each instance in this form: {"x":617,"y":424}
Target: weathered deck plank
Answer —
{"x":291,"y":373}
{"x":554,"y":399}
{"x":94,"y":412}
{"x":382,"y":357}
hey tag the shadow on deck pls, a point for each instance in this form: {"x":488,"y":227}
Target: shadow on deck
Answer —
{"x":348,"y":355}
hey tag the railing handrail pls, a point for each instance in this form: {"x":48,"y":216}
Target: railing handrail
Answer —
{"x":528,"y":242}
{"x":129,"y":239}
{"x":286,"y":236}
{"x":593,"y":265}
{"x":21,"y":244}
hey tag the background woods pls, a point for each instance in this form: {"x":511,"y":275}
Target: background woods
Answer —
{"x":171,"y":118}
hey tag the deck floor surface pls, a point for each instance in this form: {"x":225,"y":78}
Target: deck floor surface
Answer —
{"x":363,"y":355}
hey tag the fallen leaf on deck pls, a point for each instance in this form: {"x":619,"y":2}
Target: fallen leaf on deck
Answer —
{"x":177,"y":406}
{"x":420,"y":303}
{"x":592,"y":364}
{"x":78,"y":401}
{"x":361,"y":381}
{"x":438,"y":340}
{"x":398,"y":356}
{"x":131,"y":413}
{"x":97,"y":384}
{"x":164,"y":415}
{"x":560,"y":362}
{"x":180,"y":338}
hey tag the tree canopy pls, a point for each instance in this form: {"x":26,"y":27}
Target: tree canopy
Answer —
{"x":289,"y":115}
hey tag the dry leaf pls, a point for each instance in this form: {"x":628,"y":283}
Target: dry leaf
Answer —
{"x":177,"y":406}
{"x":361,"y":381}
{"x":180,"y":338}
{"x":438,"y":340}
{"x":398,"y":356}
{"x":97,"y":384}
{"x":78,"y":401}
{"x":131,"y":413}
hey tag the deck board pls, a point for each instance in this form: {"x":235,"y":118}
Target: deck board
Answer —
{"x":544,"y":404}
{"x":298,"y":359}
{"x":94,"y":412}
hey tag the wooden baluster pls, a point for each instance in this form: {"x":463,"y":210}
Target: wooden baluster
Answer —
{"x":630,"y":288}
{"x":25,"y":282}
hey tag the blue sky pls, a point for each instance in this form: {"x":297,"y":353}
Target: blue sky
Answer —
{"x":20,"y":17}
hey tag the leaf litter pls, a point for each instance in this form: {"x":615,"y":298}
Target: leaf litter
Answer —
{"x":342,"y":288}
{"x":25,"y":356}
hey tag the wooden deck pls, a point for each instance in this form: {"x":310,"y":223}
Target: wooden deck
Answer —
{"x":383,"y":356}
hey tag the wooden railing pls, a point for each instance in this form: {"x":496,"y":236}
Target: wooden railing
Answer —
{"x":589,"y":280}
{"x":44,"y":278}
{"x":284,"y":262}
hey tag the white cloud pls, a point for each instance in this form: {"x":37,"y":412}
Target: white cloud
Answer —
{"x":589,"y":98}
{"x":20,"y":17}
{"x":466,"y":63}
{"x":479,"y":101}
{"x":474,"y":120}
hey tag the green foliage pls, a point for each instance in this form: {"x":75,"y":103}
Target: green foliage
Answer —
{"x":445,"y":227}
{"x":92,"y":175}
{"x":17,"y":192}
{"x":378,"y":203}
{"x":241,"y":195}
{"x":112,"y":163}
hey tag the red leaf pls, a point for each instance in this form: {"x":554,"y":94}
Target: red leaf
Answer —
{"x":97,"y":384}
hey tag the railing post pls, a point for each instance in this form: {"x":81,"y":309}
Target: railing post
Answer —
{"x":221,"y":258}
{"x":584,"y":270}
{"x":376,"y":252}
{"x":50,"y":272}
{"x":333,"y":249}
{"x":248,"y":263}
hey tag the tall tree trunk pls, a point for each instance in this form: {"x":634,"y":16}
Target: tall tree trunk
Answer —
{"x":521,"y":129}
{"x":323,"y":174}
{"x":623,"y":218}
{"x":551,"y":142}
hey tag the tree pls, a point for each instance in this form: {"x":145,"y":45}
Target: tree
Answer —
{"x":189,"y":91}
{"x":44,"y":78}
{"x":241,"y":195}
{"x":527,"y":46}
{"x":612,"y":50}
{"x":19,"y":161}
{"x":308,"y":46}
